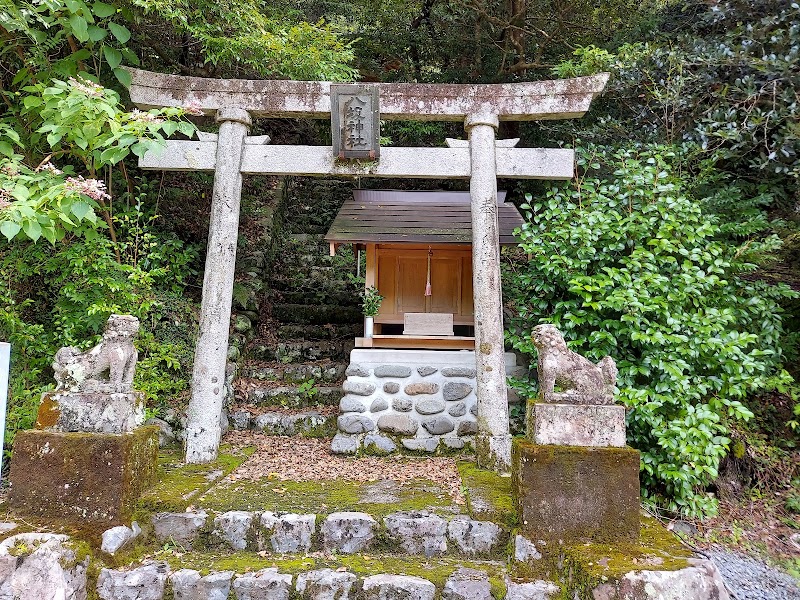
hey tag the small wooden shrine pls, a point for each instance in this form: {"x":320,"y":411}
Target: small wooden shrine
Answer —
{"x":418,"y":248}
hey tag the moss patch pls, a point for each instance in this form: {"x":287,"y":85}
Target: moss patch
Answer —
{"x":582,"y":567}
{"x":435,"y":570}
{"x":325,"y":497}
{"x":489,"y":495}
{"x":180,"y":484}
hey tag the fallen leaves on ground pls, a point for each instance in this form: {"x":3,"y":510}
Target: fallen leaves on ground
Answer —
{"x":310,"y":459}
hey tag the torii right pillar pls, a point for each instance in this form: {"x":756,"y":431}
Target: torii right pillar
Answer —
{"x":493,"y":440}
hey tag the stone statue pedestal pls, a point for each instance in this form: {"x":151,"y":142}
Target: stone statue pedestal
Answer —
{"x":574,"y":494}
{"x":82,"y":478}
{"x":91,"y":412}
{"x":590,"y":425}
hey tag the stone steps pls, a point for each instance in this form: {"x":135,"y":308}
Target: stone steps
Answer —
{"x":293,"y":396}
{"x":409,"y":533}
{"x":316,"y":314}
{"x":341,"y":332}
{"x":448,"y":580}
{"x":302,"y":351}
{"x":321,"y":372}
{"x":307,"y":423}
{"x":317,"y":297}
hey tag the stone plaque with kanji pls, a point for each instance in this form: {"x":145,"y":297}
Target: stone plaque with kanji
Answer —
{"x":355,"y":121}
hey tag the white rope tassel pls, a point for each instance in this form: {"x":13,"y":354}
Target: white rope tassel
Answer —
{"x":428,"y":283}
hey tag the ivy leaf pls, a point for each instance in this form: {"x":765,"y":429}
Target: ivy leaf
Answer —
{"x":120,"y":32}
{"x":9,"y":229}
{"x":7,"y":149}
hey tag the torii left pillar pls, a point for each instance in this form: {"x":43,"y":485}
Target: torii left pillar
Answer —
{"x":208,"y":378}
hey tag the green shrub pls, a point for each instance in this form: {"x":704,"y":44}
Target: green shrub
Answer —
{"x":627,"y":265}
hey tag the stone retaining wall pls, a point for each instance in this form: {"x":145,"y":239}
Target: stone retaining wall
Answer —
{"x":416,"y":400}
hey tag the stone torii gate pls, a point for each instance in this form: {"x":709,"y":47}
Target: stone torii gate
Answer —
{"x":481,"y":159}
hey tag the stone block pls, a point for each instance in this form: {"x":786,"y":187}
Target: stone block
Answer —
{"x":142,"y":583}
{"x":286,"y":533}
{"x":327,"y":584}
{"x":399,"y":371}
{"x":426,"y":371}
{"x":358,"y":388}
{"x":429,"y":444}
{"x":182,"y":528}
{"x":116,"y":538}
{"x":188,"y":584}
{"x":579,"y":425}
{"x":467,"y":372}
{"x":700,"y":581}
{"x":354,"y":423}
{"x":233,"y":527}
{"x":430,"y":406}
{"x":532,"y":590}
{"x":398,"y":424}
{"x":391,"y":387}
{"x":575,"y":494}
{"x":402,"y":404}
{"x":41,"y":566}
{"x":344,"y":443}
{"x":82,"y":477}
{"x":398,"y":587}
{"x":375,"y":443}
{"x":525,"y":550}
{"x":348,"y":532}
{"x":438,"y":425}
{"x":92,"y":412}
{"x":474,"y":538}
{"x":467,"y":584}
{"x":351,"y":404}
{"x":379,"y":405}
{"x":418,"y":532}
{"x":455,"y":390}
{"x":266,"y":584}
{"x":421,"y":387}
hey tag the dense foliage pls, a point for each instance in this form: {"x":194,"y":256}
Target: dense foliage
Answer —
{"x":690,"y":169}
{"x":627,"y":265}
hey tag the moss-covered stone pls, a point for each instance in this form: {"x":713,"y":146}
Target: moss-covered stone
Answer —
{"x":580,"y":568}
{"x":179,"y":483}
{"x":435,"y":570}
{"x":325,"y":497}
{"x":574,"y":493}
{"x":84,"y":478}
{"x":489,"y":495}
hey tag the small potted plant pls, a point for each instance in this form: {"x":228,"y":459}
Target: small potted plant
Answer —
{"x":370,"y":305}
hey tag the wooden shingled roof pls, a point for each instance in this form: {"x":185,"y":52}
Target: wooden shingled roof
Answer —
{"x":392,"y":216}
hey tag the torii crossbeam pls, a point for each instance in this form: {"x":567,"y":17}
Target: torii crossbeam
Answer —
{"x":482,"y":160}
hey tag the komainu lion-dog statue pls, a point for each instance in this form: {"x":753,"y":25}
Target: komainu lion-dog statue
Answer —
{"x":579,"y":380}
{"x":115,"y":356}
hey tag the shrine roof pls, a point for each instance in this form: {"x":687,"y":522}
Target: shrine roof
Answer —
{"x":392,"y":216}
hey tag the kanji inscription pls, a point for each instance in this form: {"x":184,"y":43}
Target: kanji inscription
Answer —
{"x":355,"y":121}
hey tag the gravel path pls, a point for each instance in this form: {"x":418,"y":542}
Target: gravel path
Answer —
{"x":751,"y":579}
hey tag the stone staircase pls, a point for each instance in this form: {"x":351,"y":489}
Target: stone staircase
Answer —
{"x":292,"y":369}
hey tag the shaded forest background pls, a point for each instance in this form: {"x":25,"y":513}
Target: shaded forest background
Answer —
{"x":683,"y":253}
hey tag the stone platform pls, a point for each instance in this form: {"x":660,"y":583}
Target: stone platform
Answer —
{"x":572,"y":493}
{"x":82,"y":478}
{"x":96,"y":412}
{"x":415,"y":400}
{"x":577,"y":424}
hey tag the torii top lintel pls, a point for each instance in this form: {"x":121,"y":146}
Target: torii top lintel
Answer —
{"x":538,"y":100}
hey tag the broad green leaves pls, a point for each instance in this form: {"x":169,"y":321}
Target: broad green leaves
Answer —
{"x":84,"y":122}
{"x":627,"y":265}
